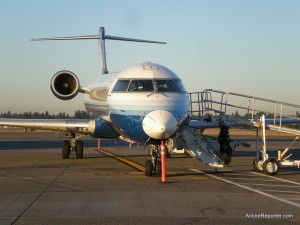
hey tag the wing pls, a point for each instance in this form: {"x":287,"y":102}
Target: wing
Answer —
{"x":78,"y":126}
{"x":97,"y":128}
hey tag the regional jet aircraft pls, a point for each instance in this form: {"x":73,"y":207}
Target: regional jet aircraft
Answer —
{"x":145,"y":103}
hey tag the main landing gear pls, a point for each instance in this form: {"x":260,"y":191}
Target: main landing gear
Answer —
{"x":153,"y":165}
{"x":72,"y":145}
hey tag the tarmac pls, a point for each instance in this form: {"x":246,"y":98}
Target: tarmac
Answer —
{"x":108,"y":186}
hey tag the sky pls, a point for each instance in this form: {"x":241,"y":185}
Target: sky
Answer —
{"x":249,"y":47}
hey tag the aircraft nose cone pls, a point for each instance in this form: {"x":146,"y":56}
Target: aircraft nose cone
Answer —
{"x":159,"y":124}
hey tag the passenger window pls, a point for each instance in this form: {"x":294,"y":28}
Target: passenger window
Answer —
{"x":166,"y":86}
{"x":121,"y":85}
{"x":141,"y":85}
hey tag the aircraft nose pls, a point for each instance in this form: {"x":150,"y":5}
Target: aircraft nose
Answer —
{"x":159,"y":124}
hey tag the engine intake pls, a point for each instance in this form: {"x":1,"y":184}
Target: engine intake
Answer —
{"x":65,"y":85}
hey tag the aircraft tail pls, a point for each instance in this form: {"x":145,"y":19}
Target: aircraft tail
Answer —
{"x":101,"y":38}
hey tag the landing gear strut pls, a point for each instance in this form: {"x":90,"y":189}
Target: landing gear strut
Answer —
{"x":72,"y":145}
{"x":153,"y":165}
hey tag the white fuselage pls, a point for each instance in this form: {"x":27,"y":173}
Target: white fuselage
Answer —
{"x":127,"y":98}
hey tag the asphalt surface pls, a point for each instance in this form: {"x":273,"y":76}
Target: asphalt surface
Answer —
{"x":109,"y":186}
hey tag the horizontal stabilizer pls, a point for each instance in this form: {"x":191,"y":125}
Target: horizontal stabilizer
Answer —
{"x":101,"y":38}
{"x":66,"y":38}
{"x":131,"y":39}
{"x":87,"y":37}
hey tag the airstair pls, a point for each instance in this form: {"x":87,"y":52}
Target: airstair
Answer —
{"x":210,"y":107}
{"x":201,"y":148}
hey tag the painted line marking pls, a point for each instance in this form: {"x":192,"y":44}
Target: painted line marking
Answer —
{"x":126,"y":161}
{"x":292,"y":192}
{"x":78,"y":174}
{"x":276,"y":178}
{"x":236,"y":178}
{"x":295,"y":199}
{"x":239,"y":174}
{"x":273,"y":185}
{"x":248,"y":188}
{"x":136,"y":173}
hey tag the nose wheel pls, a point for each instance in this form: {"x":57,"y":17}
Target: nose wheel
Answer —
{"x":148,"y":168}
{"x":153,"y":165}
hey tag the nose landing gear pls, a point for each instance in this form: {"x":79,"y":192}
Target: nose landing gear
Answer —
{"x":153,"y":165}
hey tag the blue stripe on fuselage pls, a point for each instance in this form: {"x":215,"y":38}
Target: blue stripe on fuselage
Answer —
{"x":104,"y":129}
{"x":131,"y":127}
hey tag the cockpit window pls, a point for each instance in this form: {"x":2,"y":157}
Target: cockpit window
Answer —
{"x":162,"y":85}
{"x":141,"y":85}
{"x":166,"y":86}
{"x":180,"y":85}
{"x":121,"y":85}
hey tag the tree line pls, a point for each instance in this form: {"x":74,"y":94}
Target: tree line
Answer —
{"x":249,"y":115}
{"x":268,"y":116}
{"x":79,"y":114}
{"x":259,"y":114}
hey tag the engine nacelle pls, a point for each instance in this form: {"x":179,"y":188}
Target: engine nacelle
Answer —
{"x":65,"y":85}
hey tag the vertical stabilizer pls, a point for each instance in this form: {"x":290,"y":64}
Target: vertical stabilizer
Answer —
{"x":101,"y":38}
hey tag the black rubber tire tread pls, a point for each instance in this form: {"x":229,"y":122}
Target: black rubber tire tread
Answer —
{"x":255,"y":167}
{"x":148,"y":168}
{"x":66,"y":149}
{"x":266,"y":164}
{"x":158,"y":169}
{"x":79,"y":149}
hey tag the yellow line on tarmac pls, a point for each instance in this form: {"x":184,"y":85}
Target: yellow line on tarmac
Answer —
{"x":78,"y":174}
{"x":126,"y":161}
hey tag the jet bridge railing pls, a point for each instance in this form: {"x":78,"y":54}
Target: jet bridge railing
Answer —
{"x":228,"y":103}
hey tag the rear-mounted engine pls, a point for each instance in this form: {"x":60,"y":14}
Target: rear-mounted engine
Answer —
{"x":65,"y":85}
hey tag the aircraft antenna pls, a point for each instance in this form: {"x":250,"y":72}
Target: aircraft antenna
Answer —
{"x":101,"y":39}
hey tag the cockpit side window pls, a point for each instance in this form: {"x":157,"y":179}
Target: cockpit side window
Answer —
{"x":121,"y":85}
{"x":166,"y":86}
{"x":141,"y":86}
{"x":180,"y":85}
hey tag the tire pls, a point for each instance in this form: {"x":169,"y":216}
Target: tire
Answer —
{"x":148,"y":168}
{"x":271,"y":167}
{"x":258,"y":165}
{"x":66,"y":149}
{"x":158,"y":169}
{"x":79,"y":149}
